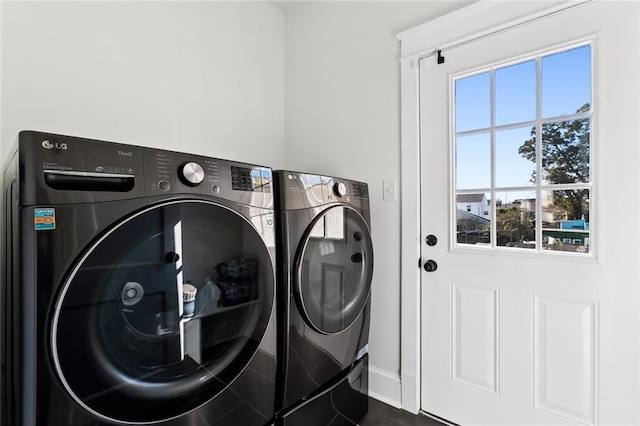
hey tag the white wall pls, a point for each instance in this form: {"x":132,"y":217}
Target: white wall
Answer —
{"x":209,"y":78}
{"x":204,"y":77}
{"x":342,"y":109}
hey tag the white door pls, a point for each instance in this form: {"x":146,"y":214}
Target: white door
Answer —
{"x":529,"y":177}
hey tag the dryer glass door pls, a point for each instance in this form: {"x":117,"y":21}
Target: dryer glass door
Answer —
{"x":163,"y":312}
{"x":334,"y":270}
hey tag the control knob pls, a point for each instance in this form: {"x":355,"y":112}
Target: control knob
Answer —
{"x":340,"y":189}
{"x":191,"y":173}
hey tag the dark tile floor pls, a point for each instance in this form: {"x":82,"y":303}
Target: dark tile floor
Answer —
{"x":381,"y":414}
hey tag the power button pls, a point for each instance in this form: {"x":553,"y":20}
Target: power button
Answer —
{"x":163,"y":185}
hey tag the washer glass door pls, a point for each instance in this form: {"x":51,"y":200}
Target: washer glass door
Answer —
{"x":163,"y":312}
{"x":334,"y":269}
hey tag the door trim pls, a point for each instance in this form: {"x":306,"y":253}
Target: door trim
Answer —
{"x":478,"y":20}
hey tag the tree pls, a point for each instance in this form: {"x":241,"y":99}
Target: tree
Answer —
{"x":565,"y":159}
{"x":513,"y":225}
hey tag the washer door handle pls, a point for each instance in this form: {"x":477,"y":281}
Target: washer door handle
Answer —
{"x":172,"y":257}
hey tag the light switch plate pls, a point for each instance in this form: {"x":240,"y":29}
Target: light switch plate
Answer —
{"x":389,"y":190}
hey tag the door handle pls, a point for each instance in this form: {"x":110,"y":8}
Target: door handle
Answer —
{"x":172,"y":257}
{"x":430,"y":265}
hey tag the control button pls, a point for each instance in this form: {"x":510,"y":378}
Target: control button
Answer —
{"x":191,"y":173}
{"x":215,"y":189}
{"x":164,"y":185}
{"x":340,"y":189}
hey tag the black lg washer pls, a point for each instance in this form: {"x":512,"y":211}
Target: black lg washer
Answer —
{"x":138,"y":287}
{"x":325,"y":267}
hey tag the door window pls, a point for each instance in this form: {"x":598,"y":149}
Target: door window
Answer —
{"x":163,"y":312}
{"x":335,"y":267}
{"x":522,"y":147}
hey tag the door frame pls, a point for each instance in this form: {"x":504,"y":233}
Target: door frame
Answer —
{"x":476,"y":21}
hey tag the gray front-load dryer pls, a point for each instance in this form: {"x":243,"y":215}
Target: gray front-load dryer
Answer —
{"x":325,"y":267}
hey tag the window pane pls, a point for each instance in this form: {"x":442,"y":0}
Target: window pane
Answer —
{"x":515,"y":157}
{"x":516,"y":220}
{"x":520,"y":131}
{"x":565,"y":220}
{"x":516,"y":93}
{"x":566,"y":82}
{"x":565,"y":151}
{"x":473,"y":161}
{"x":473,"y":102}
{"x":473,"y":218}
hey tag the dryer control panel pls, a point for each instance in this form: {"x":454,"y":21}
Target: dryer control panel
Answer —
{"x":302,"y":190}
{"x":345,"y":191}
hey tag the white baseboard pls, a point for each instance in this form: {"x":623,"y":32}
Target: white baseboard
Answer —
{"x":385,"y":387}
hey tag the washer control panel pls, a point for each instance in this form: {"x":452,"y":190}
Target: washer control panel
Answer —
{"x":176,"y":173}
{"x":168,"y":171}
{"x":69,"y":169}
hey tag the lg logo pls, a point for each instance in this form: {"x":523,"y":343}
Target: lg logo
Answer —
{"x":47,"y":144}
